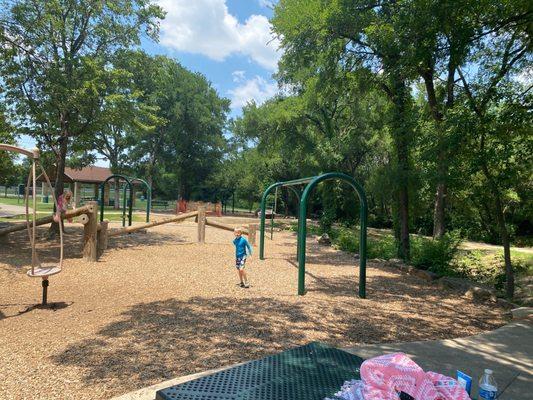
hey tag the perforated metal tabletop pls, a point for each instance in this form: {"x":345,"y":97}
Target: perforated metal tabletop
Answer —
{"x":313,"y":371}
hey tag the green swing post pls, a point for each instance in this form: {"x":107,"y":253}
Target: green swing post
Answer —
{"x":302,"y":223}
{"x":288,"y":184}
{"x":148,"y":196}
{"x":362,"y":232}
{"x":272,"y":214}
{"x":102,"y":190}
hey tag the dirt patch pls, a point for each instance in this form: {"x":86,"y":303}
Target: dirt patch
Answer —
{"x":158,"y":305}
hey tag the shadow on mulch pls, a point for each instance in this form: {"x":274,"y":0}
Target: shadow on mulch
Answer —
{"x":159,"y":340}
{"x":163,"y":339}
{"x":17,"y":251}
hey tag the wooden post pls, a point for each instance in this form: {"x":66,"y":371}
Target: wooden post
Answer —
{"x":252,"y":230}
{"x":90,"y":230}
{"x":77,"y":194}
{"x":201,"y":224}
{"x":102,"y":237}
{"x":106,"y":194}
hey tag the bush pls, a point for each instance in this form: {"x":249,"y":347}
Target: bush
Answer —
{"x":348,"y":240}
{"x":435,"y":255}
{"x":384,"y":247}
{"x":326,"y":220}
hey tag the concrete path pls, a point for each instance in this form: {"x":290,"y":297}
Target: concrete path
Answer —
{"x":10,"y":210}
{"x":507,"y":350}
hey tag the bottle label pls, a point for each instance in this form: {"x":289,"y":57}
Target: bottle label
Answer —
{"x":487,"y":394}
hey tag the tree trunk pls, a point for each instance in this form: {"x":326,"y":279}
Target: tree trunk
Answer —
{"x":504,"y":236}
{"x":439,"y":208}
{"x":59,"y":184}
{"x":439,"y":228}
{"x":402,"y":136}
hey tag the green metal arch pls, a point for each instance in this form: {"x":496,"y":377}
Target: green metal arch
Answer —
{"x":263,"y":218}
{"x":130,"y":209}
{"x":363,"y":210}
{"x":302,"y":223}
{"x":148,"y":196}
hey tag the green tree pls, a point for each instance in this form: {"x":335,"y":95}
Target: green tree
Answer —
{"x":54,"y":63}
{"x":187,"y":143}
{"x":319,"y":37}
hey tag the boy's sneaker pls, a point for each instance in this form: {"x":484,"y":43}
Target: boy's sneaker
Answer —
{"x":246,"y":286}
{"x":242,"y":284}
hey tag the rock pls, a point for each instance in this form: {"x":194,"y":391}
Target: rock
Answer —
{"x":395,"y":261}
{"x":425,"y":275}
{"x":356,"y":256}
{"x":454,"y":283}
{"x":522,"y":312}
{"x":324,"y":240}
{"x":477,"y":293}
{"x":505,"y":303}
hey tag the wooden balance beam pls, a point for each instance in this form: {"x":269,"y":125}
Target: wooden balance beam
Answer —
{"x":87,"y":209}
{"x":250,"y":232}
{"x":130,"y":229}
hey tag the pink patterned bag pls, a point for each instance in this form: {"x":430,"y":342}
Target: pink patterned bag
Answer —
{"x":385,"y":377}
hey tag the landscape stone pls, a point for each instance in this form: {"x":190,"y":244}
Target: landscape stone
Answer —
{"x":324,"y":240}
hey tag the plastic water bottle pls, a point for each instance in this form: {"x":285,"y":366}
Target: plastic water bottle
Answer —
{"x":487,"y":386}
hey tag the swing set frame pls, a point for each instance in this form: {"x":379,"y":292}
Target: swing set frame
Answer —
{"x":303,"y":198}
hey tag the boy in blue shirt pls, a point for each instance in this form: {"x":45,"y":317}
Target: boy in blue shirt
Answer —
{"x":242,"y":250}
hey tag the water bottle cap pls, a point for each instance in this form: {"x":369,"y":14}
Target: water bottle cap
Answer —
{"x":488,"y":371}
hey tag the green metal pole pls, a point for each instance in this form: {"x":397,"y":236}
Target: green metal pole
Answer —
{"x":302,"y":230}
{"x":130,"y":212}
{"x":363,"y":212}
{"x":262,"y":224}
{"x":148,"y":202}
{"x":102,"y":189}
{"x":302,"y":233}
{"x":124,"y":206}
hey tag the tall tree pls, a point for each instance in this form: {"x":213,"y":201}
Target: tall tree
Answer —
{"x":188,"y":142}
{"x":318,"y":37}
{"x":54,"y":59}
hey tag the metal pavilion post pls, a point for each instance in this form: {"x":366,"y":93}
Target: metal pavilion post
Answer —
{"x":302,"y":230}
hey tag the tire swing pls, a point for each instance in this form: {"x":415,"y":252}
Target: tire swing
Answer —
{"x":38,"y":269}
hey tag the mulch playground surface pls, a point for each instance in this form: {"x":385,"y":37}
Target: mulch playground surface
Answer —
{"x":158,"y":305}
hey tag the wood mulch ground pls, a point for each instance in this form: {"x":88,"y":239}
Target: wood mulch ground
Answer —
{"x":158,"y":305}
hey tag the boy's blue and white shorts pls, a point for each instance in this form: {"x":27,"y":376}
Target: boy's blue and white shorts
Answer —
{"x":240,"y":262}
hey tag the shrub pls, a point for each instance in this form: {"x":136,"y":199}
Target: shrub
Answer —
{"x":435,"y":255}
{"x":384,"y":247}
{"x":326,"y":220}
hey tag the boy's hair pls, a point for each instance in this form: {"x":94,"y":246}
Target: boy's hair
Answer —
{"x":238,"y":230}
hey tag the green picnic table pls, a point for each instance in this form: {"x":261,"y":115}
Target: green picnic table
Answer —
{"x":313,"y":371}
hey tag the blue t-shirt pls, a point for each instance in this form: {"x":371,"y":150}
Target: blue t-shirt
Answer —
{"x":241,"y":244}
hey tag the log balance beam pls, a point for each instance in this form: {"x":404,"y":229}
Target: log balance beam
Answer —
{"x":250,"y":232}
{"x":87,"y":209}
{"x":130,"y":229}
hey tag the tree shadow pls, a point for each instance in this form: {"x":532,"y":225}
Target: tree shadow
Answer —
{"x":163,"y":339}
{"x":16,"y":251}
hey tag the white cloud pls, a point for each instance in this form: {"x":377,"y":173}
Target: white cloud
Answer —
{"x":206,"y":27}
{"x":266,"y":3}
{"x":257,"y":89}
{"x":238,"y":76}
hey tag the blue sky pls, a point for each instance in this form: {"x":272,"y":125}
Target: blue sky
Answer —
{"x":228,"y":41}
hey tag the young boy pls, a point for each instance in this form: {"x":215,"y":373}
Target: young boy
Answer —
{"x":242,"y":250}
